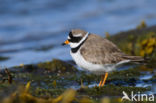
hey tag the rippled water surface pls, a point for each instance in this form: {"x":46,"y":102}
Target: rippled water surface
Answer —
{"x":32,"y":30}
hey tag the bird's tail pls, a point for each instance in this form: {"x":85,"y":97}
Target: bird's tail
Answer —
{"x":135,"y":59}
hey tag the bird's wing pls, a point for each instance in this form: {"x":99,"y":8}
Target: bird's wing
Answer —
{"x":99,"y":50}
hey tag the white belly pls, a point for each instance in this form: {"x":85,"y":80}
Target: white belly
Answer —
{"x":95,"y":68}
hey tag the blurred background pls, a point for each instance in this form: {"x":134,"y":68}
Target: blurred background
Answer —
{"x":32,"y":31}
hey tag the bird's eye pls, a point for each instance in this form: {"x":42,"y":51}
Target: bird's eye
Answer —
{"x":75,"y":39}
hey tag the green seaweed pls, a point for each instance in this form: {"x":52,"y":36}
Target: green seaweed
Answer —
{"x":110,"y":90}
{"x":57,"y":66}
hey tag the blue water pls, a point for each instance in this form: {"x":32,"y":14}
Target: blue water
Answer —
{"x":26,"y":25}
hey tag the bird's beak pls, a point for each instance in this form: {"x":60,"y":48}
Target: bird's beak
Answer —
{"x":66,"y":42}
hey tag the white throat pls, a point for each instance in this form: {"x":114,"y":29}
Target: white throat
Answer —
{"x":74,"y":45}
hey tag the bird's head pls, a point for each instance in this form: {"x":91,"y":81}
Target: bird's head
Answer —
{"x":76,"y":37}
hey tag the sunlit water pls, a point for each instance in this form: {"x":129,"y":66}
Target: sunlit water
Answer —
{"x":26,"y":25}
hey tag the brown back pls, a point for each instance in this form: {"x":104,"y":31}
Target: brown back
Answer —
{"x":99,"y":50}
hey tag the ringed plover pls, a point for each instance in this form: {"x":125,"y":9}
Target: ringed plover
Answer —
{"x":96,"y":54}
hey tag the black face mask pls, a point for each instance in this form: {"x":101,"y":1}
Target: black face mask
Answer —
{"x":74,"y":39}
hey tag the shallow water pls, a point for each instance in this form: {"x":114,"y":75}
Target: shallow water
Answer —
{"x":29,"y":25}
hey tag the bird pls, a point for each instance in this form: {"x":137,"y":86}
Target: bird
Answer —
{"x":96,"y":54}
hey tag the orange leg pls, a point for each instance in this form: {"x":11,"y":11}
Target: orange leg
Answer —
{"x":102,"y":76}
{"x":104,"y":79}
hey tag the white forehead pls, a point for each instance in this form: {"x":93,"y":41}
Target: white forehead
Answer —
{"x":68,"y":37}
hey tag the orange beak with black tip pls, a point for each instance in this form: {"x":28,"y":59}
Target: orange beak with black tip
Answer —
{"x":66,"y":42}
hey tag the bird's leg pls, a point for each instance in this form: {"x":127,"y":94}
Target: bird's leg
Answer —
{"x":102,"y":76}
{"x":104,"y":79}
